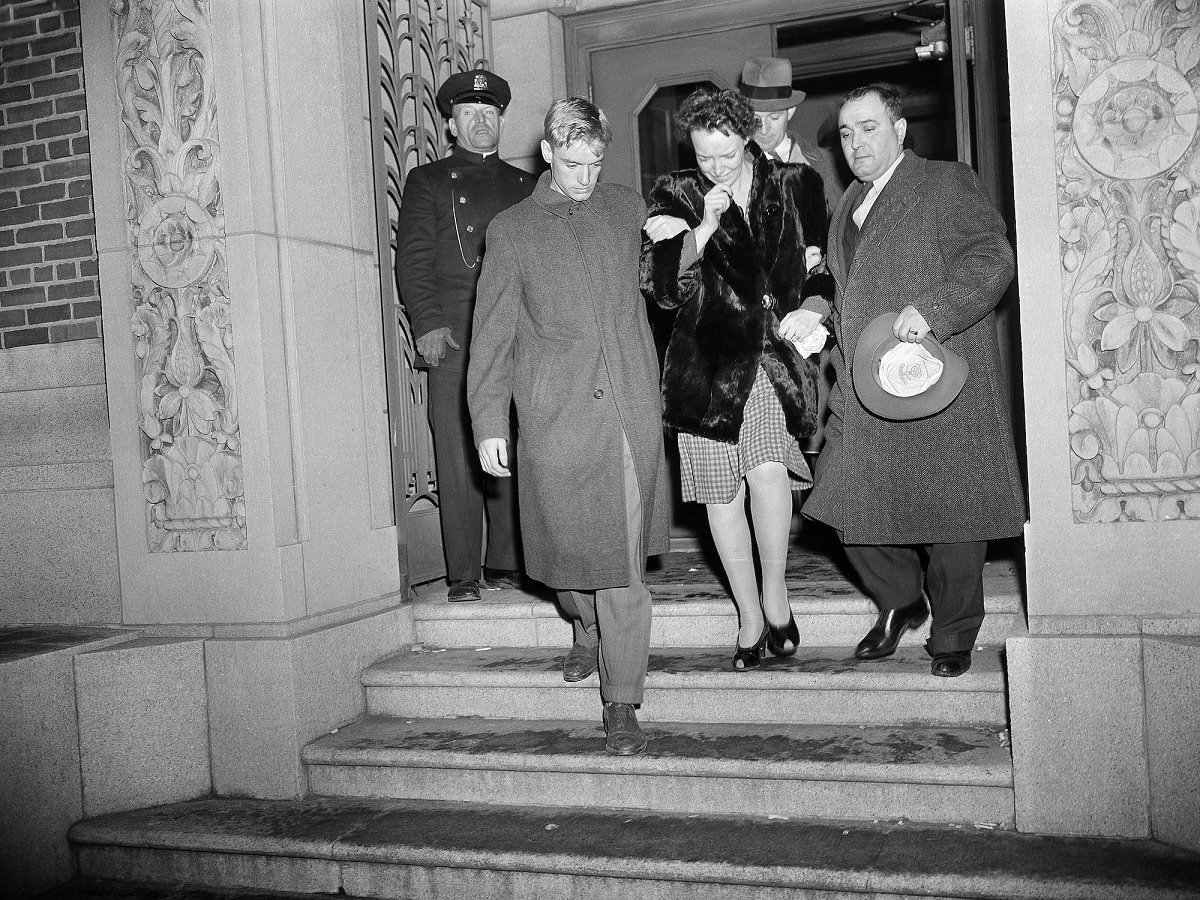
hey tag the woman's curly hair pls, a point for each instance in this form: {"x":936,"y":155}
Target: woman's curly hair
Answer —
{"x":708,"y":110}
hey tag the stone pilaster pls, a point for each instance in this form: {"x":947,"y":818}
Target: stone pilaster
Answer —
{"x":1104,"y":119}
{"x":236,"y":229}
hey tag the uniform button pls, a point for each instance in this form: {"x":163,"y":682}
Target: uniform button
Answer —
{"x":470,"y":228}
{"x":598,"y":394}
{"x":462,"y":199}
{"x":453,"y":174}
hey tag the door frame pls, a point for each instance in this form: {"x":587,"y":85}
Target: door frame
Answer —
{"x":585,"y":33}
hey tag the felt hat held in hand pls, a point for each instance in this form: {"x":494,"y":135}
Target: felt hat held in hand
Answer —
{"x":898,"y":380}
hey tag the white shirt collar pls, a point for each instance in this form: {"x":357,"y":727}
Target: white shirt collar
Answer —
{"x":881,"y":182}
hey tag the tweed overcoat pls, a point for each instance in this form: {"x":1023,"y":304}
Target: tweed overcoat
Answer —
{"x":561,"y":331}
{"x":932,"y":240}
{"x":730,"y":299}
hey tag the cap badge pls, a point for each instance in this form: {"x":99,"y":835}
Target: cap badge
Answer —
{"x":480,"y":83}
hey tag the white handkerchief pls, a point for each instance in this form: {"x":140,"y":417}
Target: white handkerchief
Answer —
{"x":813,"y":343}
{"x":908,"y":369}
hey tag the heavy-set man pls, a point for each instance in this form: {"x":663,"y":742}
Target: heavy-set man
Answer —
{"x":444,"y":215}
{"x":915,"y":501}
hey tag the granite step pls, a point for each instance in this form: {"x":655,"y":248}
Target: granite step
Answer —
{"x":928,"y":774}
{"x":692,"y":608}
{"x":447,"y":851}
{"x":817,"y":686}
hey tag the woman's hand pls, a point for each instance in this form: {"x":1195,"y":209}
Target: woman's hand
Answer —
{"x":662,"y":228}
{"x":716,"y":201}
{"x":813,"y":257}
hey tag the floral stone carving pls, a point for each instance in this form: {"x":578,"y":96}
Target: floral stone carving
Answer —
{"x":1127,"y":120}
{"x":192,"y":468}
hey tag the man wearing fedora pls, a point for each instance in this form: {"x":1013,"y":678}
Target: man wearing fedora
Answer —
{"x":767,"y":83}
{"x":444,"y":215}
{"x":919,"y":470}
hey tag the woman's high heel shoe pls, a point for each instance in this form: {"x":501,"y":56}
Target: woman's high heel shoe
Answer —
{"x":749,"y":657}
{"x":779,"y":637}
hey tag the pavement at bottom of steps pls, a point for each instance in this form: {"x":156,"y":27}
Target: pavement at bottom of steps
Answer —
{"x":685,"y":856}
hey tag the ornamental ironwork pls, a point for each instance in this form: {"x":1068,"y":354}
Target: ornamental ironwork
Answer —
{"x":420,"y":43}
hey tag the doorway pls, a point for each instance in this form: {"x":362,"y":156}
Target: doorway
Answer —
{"x":638,"y":62}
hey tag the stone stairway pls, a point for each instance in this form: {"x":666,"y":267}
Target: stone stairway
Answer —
{"x":478,"y":772}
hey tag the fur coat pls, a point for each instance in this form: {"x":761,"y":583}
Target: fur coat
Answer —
{"x":750,"y":274}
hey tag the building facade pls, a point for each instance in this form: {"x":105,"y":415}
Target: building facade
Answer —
{"x":196,"y":453}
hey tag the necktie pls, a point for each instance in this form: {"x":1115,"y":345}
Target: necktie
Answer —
{"x":865,"y":207}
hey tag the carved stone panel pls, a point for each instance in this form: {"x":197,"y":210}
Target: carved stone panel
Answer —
{"x":192,"y":467}
{"x":1126,"y":77}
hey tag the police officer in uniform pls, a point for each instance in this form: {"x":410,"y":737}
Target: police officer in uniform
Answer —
{"x":444,"y":215}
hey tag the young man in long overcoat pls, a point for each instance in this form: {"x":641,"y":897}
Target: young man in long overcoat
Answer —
{"x":915,"y":502}
{"x":561,"y":331}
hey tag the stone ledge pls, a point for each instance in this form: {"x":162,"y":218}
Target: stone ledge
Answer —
{"x":375,"y":846}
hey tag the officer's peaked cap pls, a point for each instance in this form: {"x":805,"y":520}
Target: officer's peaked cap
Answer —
{"x":473,"y":86}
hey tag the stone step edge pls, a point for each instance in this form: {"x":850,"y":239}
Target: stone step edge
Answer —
{"x":387,"y":674}
{"x":984,"y":683}
{"x":535,"y":864}
{"x":115,"y":831}
{"x":318,"y":753}
{"x":530,"y":606}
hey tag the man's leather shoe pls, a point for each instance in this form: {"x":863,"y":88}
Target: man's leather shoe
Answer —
{"x":625,"y":736}
{"x":582,"y":661}
{"x":462,"y":590}
{"x":951,"y":663}
{"x":885,"y":634}
{"x":501,"y":579}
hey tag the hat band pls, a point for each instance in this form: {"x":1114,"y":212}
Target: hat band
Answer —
{"x":756,"y":92}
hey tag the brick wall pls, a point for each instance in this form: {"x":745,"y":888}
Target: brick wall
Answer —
{"x":48,"y":286}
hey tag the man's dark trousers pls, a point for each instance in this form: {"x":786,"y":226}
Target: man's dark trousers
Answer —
{"x":463,"y":488}
{"x":892,"y":577}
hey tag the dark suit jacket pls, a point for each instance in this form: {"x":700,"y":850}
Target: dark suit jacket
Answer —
{"x":932,"y":240}
{"x":824,"y":162}
{"x":444,"y":215}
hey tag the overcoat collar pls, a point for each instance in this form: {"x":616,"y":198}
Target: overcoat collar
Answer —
{"x":545,"y":196}
{"x":897,"y":196}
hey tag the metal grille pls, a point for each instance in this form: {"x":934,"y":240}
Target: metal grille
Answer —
{"x":416,"y":45}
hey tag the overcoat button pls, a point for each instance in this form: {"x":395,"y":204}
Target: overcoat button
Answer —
{"x":598,"y":394}
{"x":453,"y":174}
{"x":470,"y":228}
{"x":462,"y":199}
{"x":768,"y":301}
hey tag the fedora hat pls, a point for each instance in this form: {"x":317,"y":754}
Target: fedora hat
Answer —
{"x":912,"y":384}
{"x":767,"y":84}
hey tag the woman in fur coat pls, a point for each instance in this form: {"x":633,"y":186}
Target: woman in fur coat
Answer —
{"x":725,"y":246}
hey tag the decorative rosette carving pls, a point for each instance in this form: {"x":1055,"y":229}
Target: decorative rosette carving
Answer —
{"x":1129,"y":172}
{"x":191,"y":473}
